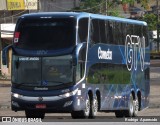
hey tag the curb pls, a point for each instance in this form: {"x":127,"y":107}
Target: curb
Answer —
{"x":5,"y":83}
{"x":5,"y":107}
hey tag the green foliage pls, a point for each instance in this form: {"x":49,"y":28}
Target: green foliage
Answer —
{"x":117,"y":76}
{"x":127,"y":1}
{"x":105,"y":6}
{"x":151,"y":20}
{"x":99,"y":6}
{"x":92,"y":6}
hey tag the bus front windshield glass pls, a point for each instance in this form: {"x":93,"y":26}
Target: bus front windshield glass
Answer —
{"x":42,"y":71}
{"x":46,"y":34}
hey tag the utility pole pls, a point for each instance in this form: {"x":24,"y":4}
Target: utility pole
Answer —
{"x":157,"y":26}
{"x":107,"y":13}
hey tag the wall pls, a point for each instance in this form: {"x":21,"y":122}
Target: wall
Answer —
{"x":57,"y":5}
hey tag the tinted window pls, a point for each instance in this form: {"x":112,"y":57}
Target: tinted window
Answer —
{"x":46,"y":33}
{"x":95,"y":31}
{"x":129,"y":29}
{"x":83,"y":29}
{"x":102,"y":31}
{"x":118,"y":33}
{"x":124,"y":32}
{"x":145,"y":34}
{"x":108,"y":74}
{"x":110,"y":33}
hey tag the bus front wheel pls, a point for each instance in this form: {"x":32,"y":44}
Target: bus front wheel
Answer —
{"x":85,"y":112}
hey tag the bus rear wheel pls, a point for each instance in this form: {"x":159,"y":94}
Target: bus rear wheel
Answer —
{"x":94,"y":107}
{"x":136,"y":107}
{"x":119,"y":113}
{"x":131,"y":110}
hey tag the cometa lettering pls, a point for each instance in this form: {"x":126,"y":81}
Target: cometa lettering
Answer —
{"x":102,"y":54}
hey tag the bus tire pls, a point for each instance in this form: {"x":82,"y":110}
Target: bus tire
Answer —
{"x":94,"y":107}
{"x":130,"y":111}
{"x":119,"y":113}
{"x":136,"y":107}
{"x":75,"y":114}
{"x":85,"y":112}
{"x":34,"y":114}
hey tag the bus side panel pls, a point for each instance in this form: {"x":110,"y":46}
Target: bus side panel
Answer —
{"x":108,"y":67}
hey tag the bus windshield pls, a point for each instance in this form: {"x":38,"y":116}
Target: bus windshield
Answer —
{"x":46,"y":34}
{"x":42,"y":71}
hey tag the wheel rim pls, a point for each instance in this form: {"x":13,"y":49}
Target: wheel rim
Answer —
{"x":87,"y":109}
{"x":136,"y":106}
{"x":131,"y":106}
{"x":131,"y":109}
{"x":95,"y":107}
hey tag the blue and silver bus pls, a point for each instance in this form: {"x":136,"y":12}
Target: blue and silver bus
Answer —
{"x":79,"y":63}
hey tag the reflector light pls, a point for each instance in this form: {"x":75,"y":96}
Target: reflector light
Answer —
{"x":16,"y":37}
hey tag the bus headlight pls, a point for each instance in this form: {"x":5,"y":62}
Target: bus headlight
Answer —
{"x":68,"y":94}
{"x":16,"y":95}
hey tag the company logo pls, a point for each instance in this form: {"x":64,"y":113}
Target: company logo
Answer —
{"x":102,"y":54}
{"x":42,"y":52}
{"x":37,"y":88}
{"x":40,"y":99}
{"x":134,"y":51}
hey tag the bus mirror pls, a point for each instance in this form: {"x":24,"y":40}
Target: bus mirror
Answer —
{"x":5,"y":55}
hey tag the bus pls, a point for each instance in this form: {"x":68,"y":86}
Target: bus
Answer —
{"x":79,"y":63}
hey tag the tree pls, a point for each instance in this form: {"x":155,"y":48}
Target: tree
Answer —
{"x":101,"y":6}
{"x":151,"y":20}
{"x":92,"y":6}
{"x":106,"y":7}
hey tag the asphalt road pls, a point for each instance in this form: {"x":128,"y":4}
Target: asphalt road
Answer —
{"x":153,"y":110}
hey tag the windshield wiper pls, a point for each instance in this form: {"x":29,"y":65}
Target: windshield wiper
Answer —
{"x":61,"y":83}
{"x":20,"y":84}
{"x":28,"y":84}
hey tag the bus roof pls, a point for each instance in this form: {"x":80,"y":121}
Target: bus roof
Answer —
{"x":80,"y":15}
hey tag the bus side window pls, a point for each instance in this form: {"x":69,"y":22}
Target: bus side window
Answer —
{"x":145,"y":34}
{"x":80,"y":70}
{"x":102,"y":31}
{"x":124,"y":33}
{"x":138,"y":31}
{"x":130,"y":29}
{"x":110,"y":33}
{"x":116,"y":33}
{"x":83,"y":30}
{"x":95,"y":34}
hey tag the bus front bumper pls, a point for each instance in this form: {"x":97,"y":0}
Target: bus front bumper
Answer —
{"x":63,"y":103}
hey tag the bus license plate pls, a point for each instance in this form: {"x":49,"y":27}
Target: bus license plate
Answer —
{"x":40,"y":106}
